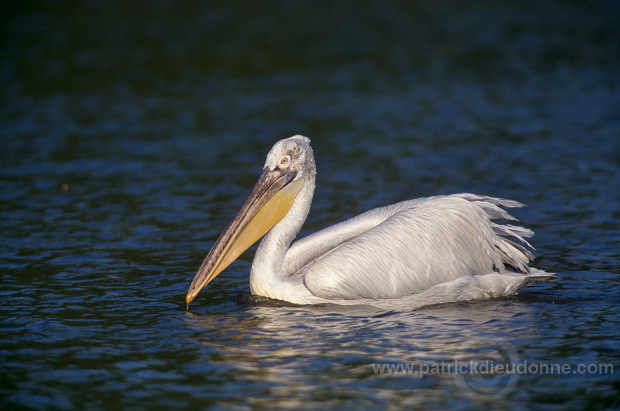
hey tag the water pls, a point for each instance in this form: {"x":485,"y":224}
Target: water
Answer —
{"x":130,"y":135}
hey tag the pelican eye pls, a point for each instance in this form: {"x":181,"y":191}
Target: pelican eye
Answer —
{"x":284,"y":161}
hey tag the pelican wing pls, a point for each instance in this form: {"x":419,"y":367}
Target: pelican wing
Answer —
{"x":315,"y":245}
{"x":410,"y":247}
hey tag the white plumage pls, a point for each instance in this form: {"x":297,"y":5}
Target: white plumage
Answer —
{"x":403,"y":256}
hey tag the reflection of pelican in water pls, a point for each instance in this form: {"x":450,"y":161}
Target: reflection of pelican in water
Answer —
{"x":402,"y":256}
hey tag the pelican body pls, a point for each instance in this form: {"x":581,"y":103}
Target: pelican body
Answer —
{"x":402,"y":256}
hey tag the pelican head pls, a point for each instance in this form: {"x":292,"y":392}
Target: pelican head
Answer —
{"x":289,"y":164}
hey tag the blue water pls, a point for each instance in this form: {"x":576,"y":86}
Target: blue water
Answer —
{"x":130,"y":135}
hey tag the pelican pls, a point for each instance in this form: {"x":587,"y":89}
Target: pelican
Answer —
{"x":406,"y":255}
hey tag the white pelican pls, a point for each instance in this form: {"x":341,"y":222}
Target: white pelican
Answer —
{"x":402,"y":256}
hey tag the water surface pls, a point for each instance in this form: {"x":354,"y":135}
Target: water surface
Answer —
{"x":130,"y":136}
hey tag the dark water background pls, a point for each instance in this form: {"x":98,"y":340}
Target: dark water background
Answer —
{"x":131,"y":131}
